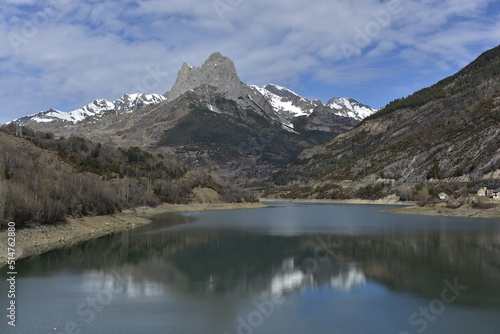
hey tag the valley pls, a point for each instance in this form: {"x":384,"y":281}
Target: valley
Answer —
{"x":250,"y":167}
{"x":270,"y":142}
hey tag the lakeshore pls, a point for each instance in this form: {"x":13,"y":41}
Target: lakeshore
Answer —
{"x":407,"y":208}
{"x":183,"y":265}
{"x":438,"y":210}
{"x":37,"y":240}
{"x":40,"y":239}
{"x":383,"y":201}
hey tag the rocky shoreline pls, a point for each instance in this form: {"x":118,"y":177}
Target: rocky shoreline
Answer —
{"x":147,"y":211}
{"x":37,"y":240}
{"x":437,"y":210}
{"x":383,"y":201}
{"x":409,"y":208}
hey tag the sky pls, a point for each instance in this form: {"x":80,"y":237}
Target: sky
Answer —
{"x":63,"y":54}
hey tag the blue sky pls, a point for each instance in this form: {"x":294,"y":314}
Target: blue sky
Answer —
{"x":63,"y":54}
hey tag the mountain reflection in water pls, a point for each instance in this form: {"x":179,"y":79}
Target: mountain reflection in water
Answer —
{"x":223,"y":263}
{"x":333,"y":269}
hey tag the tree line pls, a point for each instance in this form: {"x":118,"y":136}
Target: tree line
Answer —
{"x":481,"y":76}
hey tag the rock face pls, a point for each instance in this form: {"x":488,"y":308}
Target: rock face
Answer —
{"x":322,"y":119}
{"x":210,"y":119}
{"x":271,"y":101}
{"x":450,"y":131}
{"x":217,"y":79}
{"x":217,"y":71}
{"x":289,"y":106}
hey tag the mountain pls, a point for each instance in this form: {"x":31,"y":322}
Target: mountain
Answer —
{"x":210,"y":119}
{"x":350,"y":108}
{"x":217,"y":79}
{"x":448,"y":134}
{"x":97,"y":109}
{"x":289,"y":104}
{"x":278,"y":104}
{"x":217,"y":71}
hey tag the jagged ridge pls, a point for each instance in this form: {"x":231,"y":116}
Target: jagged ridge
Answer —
{"x":289,"y":105}
{"x":218,"y":77}
{"x":127,"y":103}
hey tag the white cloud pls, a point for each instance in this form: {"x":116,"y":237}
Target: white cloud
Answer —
{"x":20,"y":2}
{"x":102,"y":49}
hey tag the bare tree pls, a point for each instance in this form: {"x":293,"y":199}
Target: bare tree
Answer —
{"x":3,"y":186}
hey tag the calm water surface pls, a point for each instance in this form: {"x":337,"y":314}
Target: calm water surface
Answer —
{"x":289,"y":268}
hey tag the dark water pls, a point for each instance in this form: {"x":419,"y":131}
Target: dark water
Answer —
{"x":290,"y":268}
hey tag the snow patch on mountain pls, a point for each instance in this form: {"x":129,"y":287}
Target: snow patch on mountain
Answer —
{"x":98,"y":108}
{"x":289,"y":104}
{"x":350,"y":108}
{"x":285,"y":101}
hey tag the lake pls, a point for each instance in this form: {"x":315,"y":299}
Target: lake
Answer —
{"x":290,"y":268}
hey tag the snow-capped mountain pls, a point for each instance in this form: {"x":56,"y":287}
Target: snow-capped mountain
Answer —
{"x":286,"y":102}
{"x":210,"y":111}
{"x":98,"y":108}
{"x":217,"y":78}
{"x":289,"y":104}
{"x":350,"y":108}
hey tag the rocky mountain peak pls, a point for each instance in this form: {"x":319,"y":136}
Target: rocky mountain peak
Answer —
{"x":98,"y":108}
{"x":350,"y":108}
{"x":217,"y":57}
{"x":217,"y":71}
{"x":281,"y":91}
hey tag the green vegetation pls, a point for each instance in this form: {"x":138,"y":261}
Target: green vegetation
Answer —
{"x":485,"y":68}
{"x":434,"y":172}
{"x":465,"y":168}
{"x":415,"y":100}
{"x":298,"y":192}
{"x":228,"y":137}
{"x":326,"y":164}
{"x":495,"y":114}
{"x":281,"y":178}
{"x":370,"y":192}
{"x":207,"y":129}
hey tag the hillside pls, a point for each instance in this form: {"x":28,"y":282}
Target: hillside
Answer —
{"x":45,"y":180}
{"x":447,"y":132}
{"x":210,"y":119}
{"x":237,"y":143}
